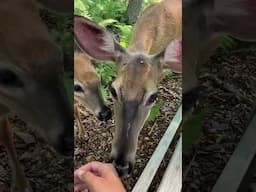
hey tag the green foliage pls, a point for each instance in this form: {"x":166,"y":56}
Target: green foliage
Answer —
{"x":62,"y":33}
{"x":155,"y":111}
{"x":107,"y":72}
{"x":104,"y":92}
{"x":61,"y":30}
{"x":126,"y":34}
{"x":148,"y":2}
{"x":191,"y":130}
{"x":228,"y":43}
{"x":81,"y":9}
{"x":169,"y":73}
{"x":99,"y":10}
{"x":109,"y":14}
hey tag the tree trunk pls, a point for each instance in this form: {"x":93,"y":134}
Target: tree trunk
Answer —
{"x":133,"y":10}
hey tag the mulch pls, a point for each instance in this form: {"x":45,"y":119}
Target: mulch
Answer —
{"x":44,"y":168}
{"x":229,"y":90}
{"x":96,"y":144}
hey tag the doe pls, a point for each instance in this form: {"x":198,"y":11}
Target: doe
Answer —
{"x":87,"y":90}
{"x":31,"y":80}
{"x":155,"y":45}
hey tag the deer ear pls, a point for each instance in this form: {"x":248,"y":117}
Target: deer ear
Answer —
{"x":235,"y":17}
{"x":63,"y":6}
{"x":95,"y":40}
{"x":171,"y":57}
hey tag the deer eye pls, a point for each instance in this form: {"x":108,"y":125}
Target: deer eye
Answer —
{"x":152,"y":99}
{"x":9,"y":78}
{"x":113,"y":92}
{"x":78,"y":88}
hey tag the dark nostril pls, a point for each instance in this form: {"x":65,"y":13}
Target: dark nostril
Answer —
{"x":123,"y":169}
{"x":105,"y":114}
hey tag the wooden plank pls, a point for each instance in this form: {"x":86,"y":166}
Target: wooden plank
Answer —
{"x":172,"y":179}
{"x":150,"y":170}
{"x":238,"y":165}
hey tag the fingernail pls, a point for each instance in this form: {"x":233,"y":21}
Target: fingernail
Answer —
{"x":80,"y":174}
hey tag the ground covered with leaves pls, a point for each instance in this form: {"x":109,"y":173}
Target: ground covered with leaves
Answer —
{"x":44,"y":168}
{"x":228,"y":94}
{"x":96,"y":144}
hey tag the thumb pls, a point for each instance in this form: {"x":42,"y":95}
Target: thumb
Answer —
{"x":88,"y":178}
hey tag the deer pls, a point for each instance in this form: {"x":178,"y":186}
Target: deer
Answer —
{"x":87,"y":90}
{"x":31,"y":81}
{"x":205,"y":23}
{"x":139,"y":70}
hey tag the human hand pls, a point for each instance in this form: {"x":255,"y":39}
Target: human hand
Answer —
{"x":97,"y":177}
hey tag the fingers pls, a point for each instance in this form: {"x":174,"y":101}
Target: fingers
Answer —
{"x":98,"y":168}
{"x":92,"y":174}
{"x":80,"y":187}
{"x":90,"y":180}
{"x":76,"y":178}
{"x":84,"y":181}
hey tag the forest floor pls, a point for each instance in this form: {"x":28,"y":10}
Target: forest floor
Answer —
{"x":96,"y":144}
{"x":229,"y":90}
{"x":43,"y":167}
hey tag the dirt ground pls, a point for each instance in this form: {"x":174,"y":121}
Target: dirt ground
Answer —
{"x":44,"y":168}
{"x":229,"y":89}
{"x":96,"y":144}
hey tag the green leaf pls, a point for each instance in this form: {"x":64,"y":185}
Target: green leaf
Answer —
{"x":104,"y":93}
{"x":228,"y":43}
{"x":191,"y":131}
{"x":155,"y":111}
{"x":107,"y":22}
{"x":169,"y":73}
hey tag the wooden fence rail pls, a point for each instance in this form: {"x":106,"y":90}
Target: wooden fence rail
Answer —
{"x":238,"y":165}
{"x":152,"y":166}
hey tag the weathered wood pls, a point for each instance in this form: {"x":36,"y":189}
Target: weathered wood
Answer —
{"x":150,"y":170}
{"x":172,"y":179}
{"x":238,"y":165}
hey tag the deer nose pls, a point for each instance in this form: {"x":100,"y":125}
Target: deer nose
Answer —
{"x":105,"y":114}
{"x":123,"y":168}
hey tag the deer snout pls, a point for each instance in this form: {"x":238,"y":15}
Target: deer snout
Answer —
{"x":122,"y":162}
{"x":105,"y":114}
{"x":123,"y":168}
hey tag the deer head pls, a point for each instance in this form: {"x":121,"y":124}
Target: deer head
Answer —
{"x":87,"y":87}
{"x":134,"y":91}
{"x":205,"y":23}
{"x":31,"y":73}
